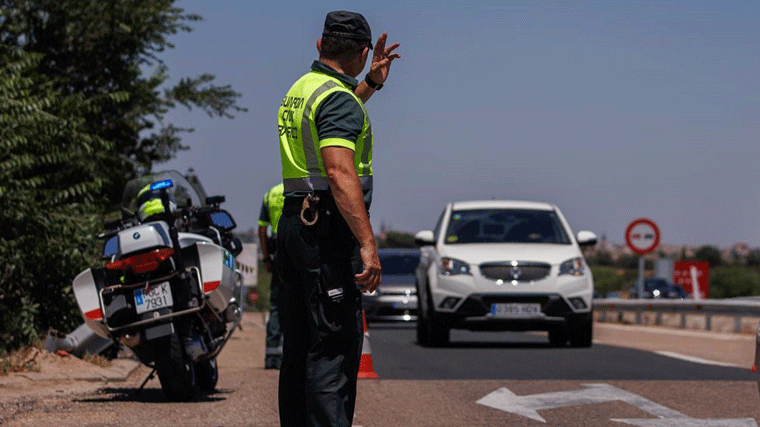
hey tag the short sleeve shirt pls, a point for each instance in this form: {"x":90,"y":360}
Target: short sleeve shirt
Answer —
{"x":339,"y":115}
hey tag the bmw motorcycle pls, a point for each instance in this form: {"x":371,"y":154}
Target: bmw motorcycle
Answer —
{"x":169,"y":289}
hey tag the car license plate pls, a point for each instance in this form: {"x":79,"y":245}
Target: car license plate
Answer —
{"x":158,"y":296}
{"x":515,"y":310}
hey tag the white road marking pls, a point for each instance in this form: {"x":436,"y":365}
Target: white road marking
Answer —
{"x":696,"y":359}
{"x":691,"y":422}
{"x":679,"y":332}
{"x":528,"y":406}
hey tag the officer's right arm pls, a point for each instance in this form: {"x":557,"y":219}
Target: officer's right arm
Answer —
{"x":348,"y":195}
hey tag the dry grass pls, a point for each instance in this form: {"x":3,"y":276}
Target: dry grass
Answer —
{"x":35,"y":359}
{"x":23,"y":360}
{"x":97,"y":360}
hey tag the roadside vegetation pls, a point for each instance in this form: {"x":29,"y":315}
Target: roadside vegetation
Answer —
{"x":738,"y":276}
{"x":83,"y":104}
{"x":22,"y":360}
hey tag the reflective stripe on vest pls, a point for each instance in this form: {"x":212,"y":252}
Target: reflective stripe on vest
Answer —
{"x":302,"y":166}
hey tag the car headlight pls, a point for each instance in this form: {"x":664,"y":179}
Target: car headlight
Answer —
{"x":573,"y":267}
{"x":451,"y":267}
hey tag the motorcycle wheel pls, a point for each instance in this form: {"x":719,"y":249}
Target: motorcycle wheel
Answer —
{"x":207,"y":373}
{"x":176,"y":371}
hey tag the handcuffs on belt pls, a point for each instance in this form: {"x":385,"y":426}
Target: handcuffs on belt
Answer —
{"x":310,"y":205}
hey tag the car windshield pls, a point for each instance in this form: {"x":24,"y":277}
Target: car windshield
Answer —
{"x":399,"y":265}
{"x":505,"y":226}
{"x":184,"y":193}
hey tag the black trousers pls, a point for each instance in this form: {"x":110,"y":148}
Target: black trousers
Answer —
{"x":273,"y":354}
{"x":322,"y":338}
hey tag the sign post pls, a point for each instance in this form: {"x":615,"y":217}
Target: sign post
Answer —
{"x":642,"y":236}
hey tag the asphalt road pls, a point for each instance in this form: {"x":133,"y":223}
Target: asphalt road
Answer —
{"x":481,"y":380}
{"x":527,"y":356}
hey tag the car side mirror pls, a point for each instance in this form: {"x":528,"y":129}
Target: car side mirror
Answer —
{"x":424,"y":238}
{"x":586,"y":238}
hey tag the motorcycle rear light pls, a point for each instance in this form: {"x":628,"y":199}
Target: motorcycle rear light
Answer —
{"x":210,"y":286}
{"x":94,"y":314}
{"x":142,"y":263}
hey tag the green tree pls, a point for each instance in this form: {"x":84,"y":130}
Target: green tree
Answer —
{"x":627,"y":261}
{"x":601,"y":258}
{"x":47,"y":181}
{"x":607,"y":279}
{"x":92,"y":47}
{"x":83,"y":102}
{"x":753,"y":259}
{"x":397,"y":239}
{"x":711,"y":254}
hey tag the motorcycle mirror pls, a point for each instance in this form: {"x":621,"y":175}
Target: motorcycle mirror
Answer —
{"x":126,"y":213}
{"x":111,"y":226}
{"x":215,"y":200}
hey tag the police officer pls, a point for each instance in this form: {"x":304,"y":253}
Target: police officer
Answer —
{"x":271,"y":209}
{"x":326,"y":251}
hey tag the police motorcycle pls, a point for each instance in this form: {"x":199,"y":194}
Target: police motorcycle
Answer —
{"x":169,"y":290}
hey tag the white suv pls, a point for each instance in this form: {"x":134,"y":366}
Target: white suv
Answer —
{"x":504,"y":265}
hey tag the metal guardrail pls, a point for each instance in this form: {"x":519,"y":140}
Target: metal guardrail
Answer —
{"x":735,"y":308}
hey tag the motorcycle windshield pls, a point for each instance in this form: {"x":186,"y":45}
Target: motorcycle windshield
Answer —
{"x":184,"y":193}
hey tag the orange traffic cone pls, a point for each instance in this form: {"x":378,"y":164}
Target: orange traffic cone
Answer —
{"x":365,"y":364}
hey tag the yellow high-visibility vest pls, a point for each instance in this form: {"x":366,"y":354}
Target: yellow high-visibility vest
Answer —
{"x":274,"y":201}
{"x":302,"y":166}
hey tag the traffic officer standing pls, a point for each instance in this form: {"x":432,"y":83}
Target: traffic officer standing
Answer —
{"x":327,"y":252}
{"x":271,"y":209}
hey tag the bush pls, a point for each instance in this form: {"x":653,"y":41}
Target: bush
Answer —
{"x":735,"y":281}
{"x":40,"y":260}
{"x":610,"y":279}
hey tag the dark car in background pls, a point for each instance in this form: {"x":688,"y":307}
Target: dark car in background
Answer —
{"x":396,"y":298}
{"x":658,"y":288}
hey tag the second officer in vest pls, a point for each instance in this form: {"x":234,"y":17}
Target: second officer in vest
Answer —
{"x":326,"y":249}
{"x":271,"y":209}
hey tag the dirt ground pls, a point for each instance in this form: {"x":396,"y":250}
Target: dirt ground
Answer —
{"x":47,"y":375}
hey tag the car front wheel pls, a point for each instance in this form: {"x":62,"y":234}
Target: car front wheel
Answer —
{"x":581,"y":331}
{"x":422,"y":337}
{"x":436,"y":333}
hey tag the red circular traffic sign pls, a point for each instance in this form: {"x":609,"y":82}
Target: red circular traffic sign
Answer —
{"x":642,"y":236}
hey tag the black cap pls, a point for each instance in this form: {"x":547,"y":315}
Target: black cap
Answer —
{"x":348,"y":25}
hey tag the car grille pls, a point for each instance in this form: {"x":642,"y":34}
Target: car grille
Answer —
{"x":522,"y":272}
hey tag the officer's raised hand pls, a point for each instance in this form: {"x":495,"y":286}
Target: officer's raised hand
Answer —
{"x":381,"y":59}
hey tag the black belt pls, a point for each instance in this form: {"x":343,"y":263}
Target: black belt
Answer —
{"x":293,"y":204}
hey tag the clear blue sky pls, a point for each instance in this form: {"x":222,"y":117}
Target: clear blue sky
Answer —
{"x":610,"y":110}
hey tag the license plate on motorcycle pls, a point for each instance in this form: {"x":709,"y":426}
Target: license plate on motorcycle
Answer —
{"x":515,"y":310}
{"x":158,"y":296}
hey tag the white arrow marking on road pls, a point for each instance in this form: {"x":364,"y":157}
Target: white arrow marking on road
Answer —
{"x":527,"y":406}
{"x":692,"y":422}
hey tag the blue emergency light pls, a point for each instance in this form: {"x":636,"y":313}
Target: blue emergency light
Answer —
{"x":160,"y":185}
